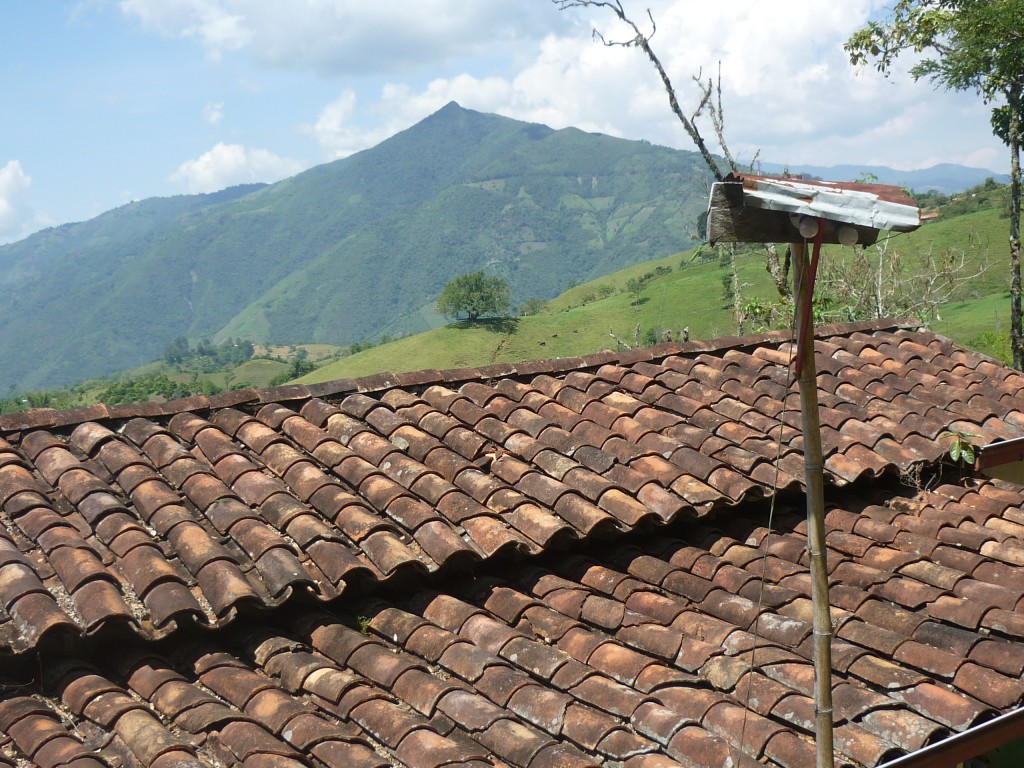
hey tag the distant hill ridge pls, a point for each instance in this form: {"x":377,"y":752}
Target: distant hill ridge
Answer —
{"x":945,"y":178}
{"x":344,"y":251}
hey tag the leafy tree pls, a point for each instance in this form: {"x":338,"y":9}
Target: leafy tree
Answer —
{"x":246,"y":349}
{"x":205,"y":349}
{"x":968,"y":45}
{"x":635,"y":287}
{"x":728,"y":292}
{"x":532,"y":306}
{"x":361,"y":346}
{"x":40,"y":399}
{"x":475,"y":294}
{"x":207,"y":357}
{"x":300,"y":367}
{"x":177,"y":350}
{"x":994,"y":343}
{"x":154,"y":385}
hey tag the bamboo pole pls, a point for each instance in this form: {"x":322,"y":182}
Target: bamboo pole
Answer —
{"x":813,"y":478}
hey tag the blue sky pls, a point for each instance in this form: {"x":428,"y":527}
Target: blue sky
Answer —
{"x":105,"y":101}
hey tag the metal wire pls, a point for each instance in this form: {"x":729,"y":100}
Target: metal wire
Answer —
{"x":771,"y":528}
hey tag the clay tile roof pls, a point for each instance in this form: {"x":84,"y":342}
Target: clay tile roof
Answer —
{"x":553,"y":563}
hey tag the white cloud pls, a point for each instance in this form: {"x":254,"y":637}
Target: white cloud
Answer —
{"x":551,"y":92}
{"x":788,"y":88}
{"x":18,"y":219}
{"x":228,"y":164}
{"x":209,"y":21}
{"x":213,"y":112}
{"x":343,"y":36}
{"x":786,"y":81}
{"x":338,"y":133}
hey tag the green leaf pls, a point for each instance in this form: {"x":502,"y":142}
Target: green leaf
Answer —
{"x":954,"y":450}
{"x":967,"y":452}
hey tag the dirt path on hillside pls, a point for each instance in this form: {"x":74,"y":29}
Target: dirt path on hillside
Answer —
{"x":500,"y":348}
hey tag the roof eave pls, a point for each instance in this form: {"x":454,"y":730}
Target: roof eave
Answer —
{"x":966,"y":745}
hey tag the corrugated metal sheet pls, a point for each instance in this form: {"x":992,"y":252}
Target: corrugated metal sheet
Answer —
{"x":878,"y":206}
{"x":755,"y":208}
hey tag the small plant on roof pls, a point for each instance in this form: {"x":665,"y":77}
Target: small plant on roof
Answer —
{"x":961,"y":450}
{"x":363,"y":622}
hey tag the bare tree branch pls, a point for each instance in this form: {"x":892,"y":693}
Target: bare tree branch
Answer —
{"x":709,"y":102}
{"x":626,"y":345}
{"x":779,"y":270}
{"x":642,"y":41}
{"x":718,"y":119}
{"x":737,"y":290}
{"x":880,"y":282}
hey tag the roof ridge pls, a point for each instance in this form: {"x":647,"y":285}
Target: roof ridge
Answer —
{"x":49,"y":417}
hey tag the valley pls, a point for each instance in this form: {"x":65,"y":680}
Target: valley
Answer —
{"x":684,"y":290}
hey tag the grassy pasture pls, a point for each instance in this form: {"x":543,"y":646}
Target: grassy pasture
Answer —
{"x":577,"y":322}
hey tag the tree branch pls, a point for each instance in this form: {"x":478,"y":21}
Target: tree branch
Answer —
{"x":643,"y":42}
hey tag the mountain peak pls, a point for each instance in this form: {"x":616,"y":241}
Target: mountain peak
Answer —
{"x":450,"y":111}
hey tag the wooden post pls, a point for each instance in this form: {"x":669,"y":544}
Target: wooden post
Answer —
{"x":813,"y":478}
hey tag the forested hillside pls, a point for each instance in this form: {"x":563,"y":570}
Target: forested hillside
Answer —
{"x":686,"y":294}
{"x":691,"y":292}
{"x":344,"y":251}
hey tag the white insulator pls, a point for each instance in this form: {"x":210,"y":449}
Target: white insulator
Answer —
{"x":847,"y":235}
{"x":808,"y":227}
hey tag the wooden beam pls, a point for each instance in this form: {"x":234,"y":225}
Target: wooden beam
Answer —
{"x":746,"y":224}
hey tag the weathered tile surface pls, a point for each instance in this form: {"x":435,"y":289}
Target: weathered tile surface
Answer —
{"x":547,"y":564}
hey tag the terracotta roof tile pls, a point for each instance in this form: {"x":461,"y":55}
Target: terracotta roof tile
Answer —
{"x":989,"y":686}
{"x":199,"y":510}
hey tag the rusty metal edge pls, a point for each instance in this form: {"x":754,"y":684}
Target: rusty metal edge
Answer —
{"x":966,"y":745}
{"x":998,"y":454}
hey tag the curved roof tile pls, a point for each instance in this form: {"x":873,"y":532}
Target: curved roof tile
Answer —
{"x":644,"y":651}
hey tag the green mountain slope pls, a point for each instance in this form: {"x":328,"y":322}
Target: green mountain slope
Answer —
{"x":77,"y":299}
{"x":578,"y":322}
{"x":344,"y":251}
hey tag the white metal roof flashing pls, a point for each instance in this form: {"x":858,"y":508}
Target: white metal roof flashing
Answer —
{"x":758,"y":209}
{"x":835,"y":201}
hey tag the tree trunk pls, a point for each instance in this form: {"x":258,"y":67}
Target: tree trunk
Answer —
{"x":777,"y":269}
{"x":1016,"y":312}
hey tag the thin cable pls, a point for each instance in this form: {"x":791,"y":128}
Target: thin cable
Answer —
{"x":658,"y":328}
{"x":771,"y":524}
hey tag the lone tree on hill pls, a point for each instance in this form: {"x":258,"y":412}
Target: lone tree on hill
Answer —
{"x":970,"y":45}
{"x":475,"y":294}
